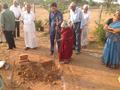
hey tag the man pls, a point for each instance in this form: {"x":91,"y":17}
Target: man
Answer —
{"x":24,"y":8}
{"x":28,"y":19}
{"x":76,"y":17}
{"x":55,"y":19}
{"x":17,"y":12}
{"x":87,"y":18}
{"x":2,"y":37}
{"x":8,"y":26}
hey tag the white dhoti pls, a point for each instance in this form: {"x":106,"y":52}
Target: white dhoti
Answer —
{"x":84,"y":35}
{"x":30,"y":39}
{"x":2,"y":37}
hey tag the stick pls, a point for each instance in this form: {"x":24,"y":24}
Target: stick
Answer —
{"x":13,"y":71}
{"x":55,"y":44}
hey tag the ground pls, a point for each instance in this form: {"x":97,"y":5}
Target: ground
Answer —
{"x":84,"y":72}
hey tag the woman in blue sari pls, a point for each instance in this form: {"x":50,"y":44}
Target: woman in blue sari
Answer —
{"x":111,"y":55}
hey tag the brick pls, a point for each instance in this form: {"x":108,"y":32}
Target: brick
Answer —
{"x":25,"y":63}
{"x":26,"y":60}
{"x":23,"y":56}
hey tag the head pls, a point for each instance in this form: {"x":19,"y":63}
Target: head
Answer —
{"x":85,"y":8}
{"x":5,"y":6}
{"x":25,"y":3}
{"x":0,"y":7}
{"x":117,"y":14}
{"x":73,"y":6}
{"x":54,"y":7}
{"x":64,"y":25}
{"x":28,"y":7}
{"x":15,"y":2}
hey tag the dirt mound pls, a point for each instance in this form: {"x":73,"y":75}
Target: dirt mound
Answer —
{"x":47,"y":72}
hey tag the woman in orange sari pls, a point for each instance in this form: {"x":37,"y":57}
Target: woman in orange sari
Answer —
{"x":66,"y":43}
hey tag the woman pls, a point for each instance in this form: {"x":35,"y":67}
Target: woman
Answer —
{"x":66,"y":43}
{"x":111,"y":55}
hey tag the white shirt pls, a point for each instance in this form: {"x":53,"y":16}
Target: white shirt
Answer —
{"x":28,"y":20}
{"x":16,"y":11}
{"x":76,"y":16}
{"x":87,"y":18}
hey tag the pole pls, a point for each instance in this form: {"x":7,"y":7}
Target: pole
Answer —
{"x":34,"y":6}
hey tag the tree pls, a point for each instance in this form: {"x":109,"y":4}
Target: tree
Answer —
{"x":61,"y":5}
{"x":109,"y":2}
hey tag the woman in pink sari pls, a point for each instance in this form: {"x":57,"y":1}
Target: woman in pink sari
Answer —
{"x":66,"y":43}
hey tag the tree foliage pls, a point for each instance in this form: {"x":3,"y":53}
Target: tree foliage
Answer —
{"x":109,"y":2}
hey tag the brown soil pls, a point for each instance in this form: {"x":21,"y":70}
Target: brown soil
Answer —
{"x":47,"y":72}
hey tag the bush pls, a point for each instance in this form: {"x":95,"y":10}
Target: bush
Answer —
{"x":38,"y":25}
{"x":100,"y":33}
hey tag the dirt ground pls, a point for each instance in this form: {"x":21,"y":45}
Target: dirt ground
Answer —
{"x":84,"y":72}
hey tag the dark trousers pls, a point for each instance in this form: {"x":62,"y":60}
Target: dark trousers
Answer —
{"x":77,"y":36}
{"x":9,"y":39}
{"x":52,"y":38}
{"x":17,"y":27}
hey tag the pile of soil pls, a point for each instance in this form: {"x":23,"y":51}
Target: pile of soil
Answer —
{"x":47,"y":72}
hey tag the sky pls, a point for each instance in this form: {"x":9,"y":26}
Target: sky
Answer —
{"x":101,"y":1}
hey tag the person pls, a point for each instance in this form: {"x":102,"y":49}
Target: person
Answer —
{"x":86,"y":21}
{"x":111,"y":55}
{"x":55,"y":19}
{"x":1,"y":83}
{"x":2,"y":36}
{"x":24,"y":8}
{"x":28,"y":18}
{"x":17,"y":12}
{"x":8,"y":26}
{"x":66,"y":43}
{"x":76,"y":17}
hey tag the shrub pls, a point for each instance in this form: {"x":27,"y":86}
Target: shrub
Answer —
{"x":38,"y":25}
{"x":100,"y":33}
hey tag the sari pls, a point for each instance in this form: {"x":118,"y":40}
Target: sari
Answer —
{"x":66,"y":45}
{"x":111,"y":55}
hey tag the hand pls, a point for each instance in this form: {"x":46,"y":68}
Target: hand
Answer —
{"x":57,"y":28}
{"x":80,"y":30}
{"x":2,"y":31}
{"x":17,"y":18}
{"x":109,"y":27}
{"x":55,"y":40}
{"x":57,"y":23}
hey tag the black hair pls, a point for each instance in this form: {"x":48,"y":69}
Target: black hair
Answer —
{"x":5,"y":6}
{"x":54,"y":4}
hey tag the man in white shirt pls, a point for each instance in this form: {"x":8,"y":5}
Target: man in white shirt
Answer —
{"x":28,"y":19}
{"x":76,"y":17}
{"x":17,"y":12}
{"x":2,"y":36}
{"x":87,"y":18}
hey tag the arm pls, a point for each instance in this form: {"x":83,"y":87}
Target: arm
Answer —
{"x":49,"y":22}
{"x":19,"y":14}
{"x":114,"y":30}
{"x":57,"y":28}
{"x":2,"y":21}
{"x":63,"y":39}
{"x":60,"y":19}
{"x":81,"y":18}
{"x":69,"y":21}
